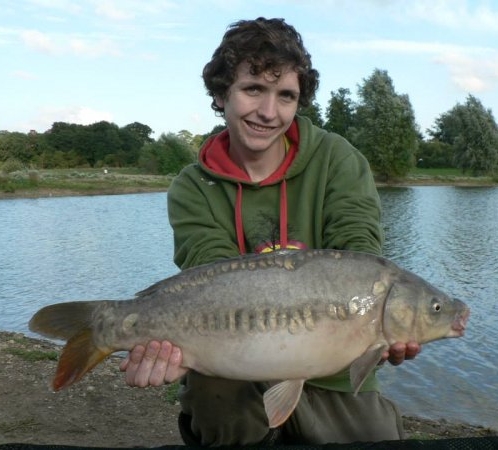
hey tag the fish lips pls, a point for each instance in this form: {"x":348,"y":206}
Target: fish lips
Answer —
{"x":461,"y":317}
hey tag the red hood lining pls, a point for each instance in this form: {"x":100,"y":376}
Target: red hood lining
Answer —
{"x":214,"y":156}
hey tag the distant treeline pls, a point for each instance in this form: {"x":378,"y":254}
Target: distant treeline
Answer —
{"x":102,"y":144}
{"x":381,"y":125}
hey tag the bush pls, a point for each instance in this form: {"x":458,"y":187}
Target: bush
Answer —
{"x":34,"y":177}
{"x":12,"y":165}
{"x":167,"y":156}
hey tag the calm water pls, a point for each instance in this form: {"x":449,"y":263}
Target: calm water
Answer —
{"x":59,"y":249}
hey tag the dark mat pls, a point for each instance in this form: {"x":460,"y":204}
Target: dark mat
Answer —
{"x":482,"y":443}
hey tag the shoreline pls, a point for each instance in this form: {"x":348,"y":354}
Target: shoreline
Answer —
{"x":62,"y":184}
{"x":51,"y":192}
{"x":55,"y":193}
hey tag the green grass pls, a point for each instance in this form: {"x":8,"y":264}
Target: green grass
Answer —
{"x":33,"y":355}
{"x":447,"y":176}
{"x":89,"y":181}
{"x":21,"y":339}
{"x":437,"y":172}
{"x":171,"y":394}
{"x":82,"y":181}
{"x":29,"y":354}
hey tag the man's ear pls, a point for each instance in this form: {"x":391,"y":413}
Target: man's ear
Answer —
{"x":220,"y":102}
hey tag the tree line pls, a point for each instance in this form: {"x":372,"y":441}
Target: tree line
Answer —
{"x":381,"y":124}
{"x":101,"y":144}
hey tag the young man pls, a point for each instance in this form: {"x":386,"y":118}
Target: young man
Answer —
{"x":271,"y":180}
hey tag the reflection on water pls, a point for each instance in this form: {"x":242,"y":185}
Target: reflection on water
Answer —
{"x":59,"y":249}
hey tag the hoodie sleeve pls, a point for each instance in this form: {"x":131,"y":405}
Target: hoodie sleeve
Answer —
{"x":352,"y":211}
{"x":198,"y":237}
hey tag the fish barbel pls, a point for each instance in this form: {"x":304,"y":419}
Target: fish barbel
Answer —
{"x":286,"y":316}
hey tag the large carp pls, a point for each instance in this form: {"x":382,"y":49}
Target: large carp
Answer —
{"x":286,"y":316}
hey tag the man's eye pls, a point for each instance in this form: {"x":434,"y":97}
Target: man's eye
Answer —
{"x":252,"y":90}
{"x":289,"y":96}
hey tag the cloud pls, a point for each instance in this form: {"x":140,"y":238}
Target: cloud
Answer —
{"x":471,"y":68}
{"x":457,"y":14}
{"x":82,"y":115}
{"x":398,"y":46}
{"x":61,"y":5}
{"x":110,"y":10}
{"x":93,"y":48}
{"x":462,"y":15}
{"x":39,"y":41}
{"x":471,"y":73}
{"x":93,"y":29}
{"x":126,"y":10}
{"x":56,"y":45}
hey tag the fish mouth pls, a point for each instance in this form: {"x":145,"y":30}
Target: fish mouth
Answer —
{"x":460,"y":323}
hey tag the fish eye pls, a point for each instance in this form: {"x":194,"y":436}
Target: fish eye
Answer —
{"x":436,"y":305}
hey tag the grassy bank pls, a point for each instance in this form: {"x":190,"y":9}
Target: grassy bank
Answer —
{"x":45,"y":183}
{"x":61,"y":182}
{"x":448,"y":177}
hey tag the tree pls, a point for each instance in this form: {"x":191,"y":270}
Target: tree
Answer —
{"x":186,"y":136}
{"x":472,"y":132}
{"x":199,"y":139}
{"x":215,"y":130}
{"x":63,"y":136}
{"x":16,"y":146}
{"x":313,"y":112}
{"x":141,"y":131}
{"x":103,"y":140}
{"x":96,"y":144}
{"x":339,"y":115}
{"x":386,"y":129}
{"x":133,"y":137}
{"x":166,"y":156}
{"x":434,"y":154}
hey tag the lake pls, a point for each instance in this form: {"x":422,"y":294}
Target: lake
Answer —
{"x":84,"y":248}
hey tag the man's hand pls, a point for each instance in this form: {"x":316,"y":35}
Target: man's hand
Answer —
{"x":154,"y":365}
{"x":399,"y":352}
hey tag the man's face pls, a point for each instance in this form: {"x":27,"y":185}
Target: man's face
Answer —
{"x":259,"y":109}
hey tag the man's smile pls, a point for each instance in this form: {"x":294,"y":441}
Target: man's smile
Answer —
{"x":258,"y":127}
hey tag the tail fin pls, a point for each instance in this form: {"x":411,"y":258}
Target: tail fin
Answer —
{"x":72,"y":322}
{"x":79,"y":356}
{"x":63,"y":320}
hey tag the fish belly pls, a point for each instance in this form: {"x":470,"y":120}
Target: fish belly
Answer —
{"x":279,"y":355}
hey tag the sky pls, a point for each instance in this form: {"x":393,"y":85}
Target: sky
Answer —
{"x":128,"y":61}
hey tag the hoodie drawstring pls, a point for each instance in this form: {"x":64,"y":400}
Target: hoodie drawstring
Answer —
{"x":283,"y":214}
{"x":239,"y":225}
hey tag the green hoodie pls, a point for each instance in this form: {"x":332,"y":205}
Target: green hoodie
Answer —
{"x":322,"y":196}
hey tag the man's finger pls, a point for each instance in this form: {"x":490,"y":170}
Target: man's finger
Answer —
{"x":160,"y":367}
{"x":144,"y":369}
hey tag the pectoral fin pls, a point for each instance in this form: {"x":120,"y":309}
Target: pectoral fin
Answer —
{"x":362,"y":366}
{"x":280,"y":400}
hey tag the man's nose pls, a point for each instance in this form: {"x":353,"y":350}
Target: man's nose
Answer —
{"x":268,"y":107}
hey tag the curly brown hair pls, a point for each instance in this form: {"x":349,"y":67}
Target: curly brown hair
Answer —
{"x":267,"y":45}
